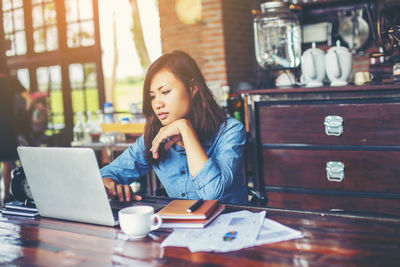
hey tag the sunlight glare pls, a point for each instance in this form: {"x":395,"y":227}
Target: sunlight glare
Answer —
{"x":128,"y":61}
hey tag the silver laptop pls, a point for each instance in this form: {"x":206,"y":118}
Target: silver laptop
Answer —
{"x":66,"y":184}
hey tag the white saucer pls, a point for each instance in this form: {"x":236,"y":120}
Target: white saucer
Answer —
{"x":136,"y":237}
{"x":122,"y":236}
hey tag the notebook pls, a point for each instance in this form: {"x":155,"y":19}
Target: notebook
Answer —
{"x":193,"y":223}
{"x":17,"y":212}
{"x":19,"y":208}
{"x":19,"y":205}
{"x":177,"y":209}
{"x":66,"y":184}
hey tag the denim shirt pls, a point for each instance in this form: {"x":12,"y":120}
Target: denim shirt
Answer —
{"x":221,"y":176}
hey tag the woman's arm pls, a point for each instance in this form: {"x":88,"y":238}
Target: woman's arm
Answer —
{"x":182,"y":133}
{"x":221,"y":177}
{"x":122,"y":171}
{"x":218,"y":175}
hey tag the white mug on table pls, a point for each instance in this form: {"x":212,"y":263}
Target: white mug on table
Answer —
{"x":138,"y":221}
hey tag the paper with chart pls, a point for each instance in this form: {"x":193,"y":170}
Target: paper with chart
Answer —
{"x":228,"y":232}
{"x":232,"y":231}
{"x":272,"y":231}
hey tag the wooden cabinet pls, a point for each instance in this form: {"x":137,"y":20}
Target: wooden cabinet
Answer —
{"x":327,"y":149}
{"x":304,"y":123}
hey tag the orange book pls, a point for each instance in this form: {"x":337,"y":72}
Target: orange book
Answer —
{"x":177,"y":209}
{"x":193,"y":223}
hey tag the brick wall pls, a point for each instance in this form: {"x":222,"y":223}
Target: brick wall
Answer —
{"x":239,"y":44}
{"x":203,"y":41}
{"x":212,"y":42}
{"x":177,"y":36}
{"x":221,"y":43}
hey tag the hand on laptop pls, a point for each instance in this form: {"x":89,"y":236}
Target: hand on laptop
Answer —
{"x":123,"y":192}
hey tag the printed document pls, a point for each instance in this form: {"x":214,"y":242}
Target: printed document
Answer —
{"x":272,"y":232}
{"x":232,"y":231}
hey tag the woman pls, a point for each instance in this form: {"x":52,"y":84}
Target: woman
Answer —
{"x":189,"y":142}
{"x":10,"y":88}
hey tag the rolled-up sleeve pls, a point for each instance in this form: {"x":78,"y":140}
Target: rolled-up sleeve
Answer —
{"x":221,"y":175}
{"x":129,"y":166}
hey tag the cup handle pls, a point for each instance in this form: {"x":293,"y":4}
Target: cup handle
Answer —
{"x":159,"y":222}
{"x":370,"y":76}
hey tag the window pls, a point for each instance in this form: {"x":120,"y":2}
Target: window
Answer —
{"x":79,"y":17}
{"x":54,"y":49}
{"x":49,"y":81}
{"x":83,"y":79}
{"x":14,"y":27}
{"x":44,"y":23}
{"x":23,"y":77}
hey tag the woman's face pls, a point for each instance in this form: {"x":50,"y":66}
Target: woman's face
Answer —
{"x":169,"y":98}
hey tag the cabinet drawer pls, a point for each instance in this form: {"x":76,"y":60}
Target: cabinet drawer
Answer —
{"x":329,"y":203}
{"x":363,"y":124}
{"x":364,"y":171}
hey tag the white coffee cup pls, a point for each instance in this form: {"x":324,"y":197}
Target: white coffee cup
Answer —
{"x":138,"y":221}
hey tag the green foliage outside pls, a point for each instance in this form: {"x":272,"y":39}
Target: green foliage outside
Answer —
{"x":78,"y":103}
{"x":126,"y":92}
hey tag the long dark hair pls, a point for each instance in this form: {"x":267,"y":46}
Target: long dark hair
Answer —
{"x":205,"y":116}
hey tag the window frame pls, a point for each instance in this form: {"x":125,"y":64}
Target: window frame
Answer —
{"x":63,"y":56}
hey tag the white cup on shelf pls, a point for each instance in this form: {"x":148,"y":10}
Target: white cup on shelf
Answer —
{"x":362,"y":77}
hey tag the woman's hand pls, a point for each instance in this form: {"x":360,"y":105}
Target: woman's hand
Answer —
{"x":123,"y":192}
{"x":172,"y":132}
{"x":182,"y":133}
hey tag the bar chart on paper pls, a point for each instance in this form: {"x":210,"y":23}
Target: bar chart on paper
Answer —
{"x":230,"y":236}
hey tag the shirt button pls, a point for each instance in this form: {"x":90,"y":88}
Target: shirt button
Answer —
{"x":182,"y":171}
{"x":183,"y":194}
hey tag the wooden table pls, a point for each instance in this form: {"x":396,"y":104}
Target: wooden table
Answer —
{"x":328,"y":240}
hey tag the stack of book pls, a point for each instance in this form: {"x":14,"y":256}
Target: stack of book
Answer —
{"x":176,"y":214}
{"x":20,"y":209}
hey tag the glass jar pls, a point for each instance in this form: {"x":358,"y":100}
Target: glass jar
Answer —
{"x":277,"y":35}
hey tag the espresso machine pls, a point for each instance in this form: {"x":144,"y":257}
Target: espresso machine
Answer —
{"x":388,"y":29}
